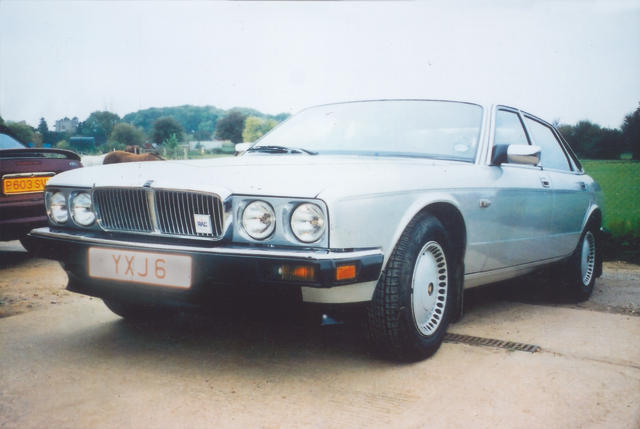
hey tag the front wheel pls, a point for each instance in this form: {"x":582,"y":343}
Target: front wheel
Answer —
{"x":414,"y":299}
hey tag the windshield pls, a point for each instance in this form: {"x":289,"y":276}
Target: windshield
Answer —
{"x":435,"y":129}
{"x":8,"y":142}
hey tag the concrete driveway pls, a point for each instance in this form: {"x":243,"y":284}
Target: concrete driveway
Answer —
{"x":75,"y":364}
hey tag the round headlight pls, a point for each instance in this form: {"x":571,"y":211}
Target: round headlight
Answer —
{"x":82,"y":210}
{"x":308,"y":223}
{"x":259,"y":220}
{"x":58,"y":208}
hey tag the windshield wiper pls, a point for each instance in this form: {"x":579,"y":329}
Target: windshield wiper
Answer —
{"x":280,"y":149}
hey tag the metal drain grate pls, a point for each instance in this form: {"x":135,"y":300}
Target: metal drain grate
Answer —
{"x":490,"y":342}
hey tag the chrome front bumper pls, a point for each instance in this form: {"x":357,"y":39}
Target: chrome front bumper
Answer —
{"x":229,"y":265}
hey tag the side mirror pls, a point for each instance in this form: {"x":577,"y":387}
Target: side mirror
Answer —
{"x":515,"y":154}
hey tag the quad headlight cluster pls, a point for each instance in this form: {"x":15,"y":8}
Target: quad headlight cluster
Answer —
{"x":78,"y":205}
{"x":270,"y":220}
{"x":306,"y":221}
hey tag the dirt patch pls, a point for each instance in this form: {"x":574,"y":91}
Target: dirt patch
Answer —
{"x":28,"y":283}
{"x":617,"y":291}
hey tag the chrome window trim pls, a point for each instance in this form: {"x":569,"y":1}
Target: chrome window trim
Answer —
{"x":575,"y":162}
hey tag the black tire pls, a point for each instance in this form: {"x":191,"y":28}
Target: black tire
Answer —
{"x":582,"y":267}
{"x":393,"y":328}
{"x":133,"y":311}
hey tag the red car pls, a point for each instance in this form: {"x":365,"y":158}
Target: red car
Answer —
{"x":23,"y":172}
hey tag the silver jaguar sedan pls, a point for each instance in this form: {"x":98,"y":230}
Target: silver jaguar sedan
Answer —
{"x":398,"y":205}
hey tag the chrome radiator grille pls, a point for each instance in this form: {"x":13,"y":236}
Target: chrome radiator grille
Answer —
{"x":176,"y":210}
{"x":121,"y":209}
{"x":158,"y":211}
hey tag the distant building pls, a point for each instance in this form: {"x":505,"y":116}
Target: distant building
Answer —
{"x":66,"y":125}
{"x":82,"y":144}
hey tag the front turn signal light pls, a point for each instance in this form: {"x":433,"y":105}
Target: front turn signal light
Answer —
{"x":345,"y":272}
{"x":295,"y":272}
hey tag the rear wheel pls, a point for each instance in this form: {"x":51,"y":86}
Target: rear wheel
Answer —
{"x":136,"y":311}
{"x":582,"y":266}
{"x":414,"y":299}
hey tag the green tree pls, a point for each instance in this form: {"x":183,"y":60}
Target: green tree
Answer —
{"x":190,"y":117}
{"x":63,"y":144}
{"x":164,"y":128}
{"x":631,"y":132}
{"x":127,"y":135}
{"x":22,"y":132}
{"x":590,"y":140}
{"x":1,"y":121}
{"x":205,"y":130}
{"x":43,"y":129}
{"x":255,"y":127}
{"x":99,"y":125}
{"x":172,"y":141}
{"x":230,"y":127}
{"x":610,"y":144}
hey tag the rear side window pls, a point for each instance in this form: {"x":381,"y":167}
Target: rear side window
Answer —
{"x":552,"y":155}
{"x":509,"y":129}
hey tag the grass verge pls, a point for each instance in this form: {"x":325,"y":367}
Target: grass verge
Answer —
{"x":620,"y":183}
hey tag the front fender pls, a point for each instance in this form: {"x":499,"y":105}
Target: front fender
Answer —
{"x":378,"y":220}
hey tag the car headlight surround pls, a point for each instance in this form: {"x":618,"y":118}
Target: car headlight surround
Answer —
{"x":57,"y":207}
{"x":308,"y":222}
{"x":82,"y":211}
{"x":259,"y":220}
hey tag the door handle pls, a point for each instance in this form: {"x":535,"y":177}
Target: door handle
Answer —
{"x":582,"y":185}
{"x":545,"y":182}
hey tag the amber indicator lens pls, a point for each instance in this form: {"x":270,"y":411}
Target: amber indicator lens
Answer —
{"x":296,"y":272}
{"x":346,"y":272}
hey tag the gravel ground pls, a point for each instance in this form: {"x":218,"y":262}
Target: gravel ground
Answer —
{"x":68,"y":362}
{"x":28,"y":284}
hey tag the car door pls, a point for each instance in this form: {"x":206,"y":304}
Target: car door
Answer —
{"x":514,"y":226}
{"x":570,"y":196}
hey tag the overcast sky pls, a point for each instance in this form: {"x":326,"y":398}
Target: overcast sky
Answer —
{"x":566,"y":60}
